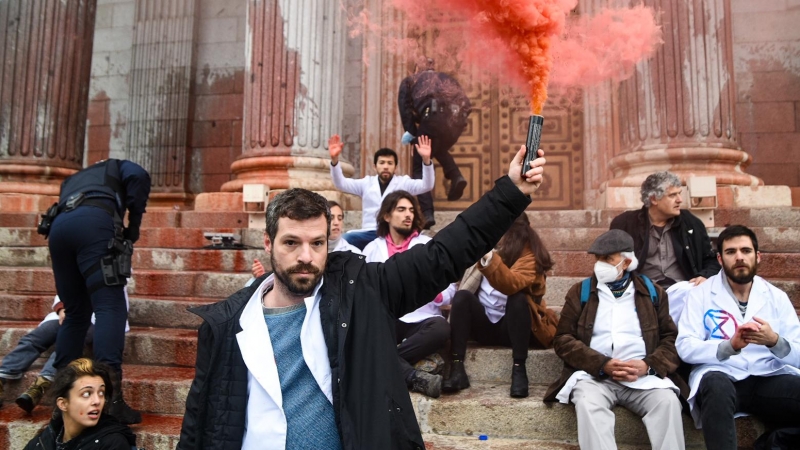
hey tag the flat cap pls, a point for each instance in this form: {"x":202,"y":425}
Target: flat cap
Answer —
{"x":610,"y":242}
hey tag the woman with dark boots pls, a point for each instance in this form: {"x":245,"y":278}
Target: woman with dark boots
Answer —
{"x":82,"y":393}
{"x":496,"y":301}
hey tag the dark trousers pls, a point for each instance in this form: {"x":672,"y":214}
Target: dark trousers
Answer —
{"x":78,"y":240}
{"x":443,"y":136}
{"x":468,"y":320}
{"x":776,"y":400}
{"x":418,"y":340}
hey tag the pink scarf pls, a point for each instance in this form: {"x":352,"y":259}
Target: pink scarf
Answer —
{"x":392,"y":248}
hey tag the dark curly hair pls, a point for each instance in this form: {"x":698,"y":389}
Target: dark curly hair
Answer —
{"x":66,"y":377}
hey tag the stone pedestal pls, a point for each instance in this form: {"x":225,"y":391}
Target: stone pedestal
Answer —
{"x":161,"y":78}
{"x":293,"y":93}
{"x":45,"y":60}
{"x":675,"y":113}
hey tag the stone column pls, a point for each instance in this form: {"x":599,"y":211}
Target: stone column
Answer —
{"x":677,"y":111}
{"x":45,"y":61}
{"x":160,"y":80}
{"x":293,"y":94}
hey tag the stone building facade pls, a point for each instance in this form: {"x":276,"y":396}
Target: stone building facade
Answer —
{"x":210,"y":94}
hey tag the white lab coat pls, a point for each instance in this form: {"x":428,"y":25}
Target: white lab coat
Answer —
{"x":369,"y":189}
{"x":712,"y":315}
{"x":377,"y":251}
{"x":265,"y":420}
{"x":344,"y":246}
{"x":678,"y":293}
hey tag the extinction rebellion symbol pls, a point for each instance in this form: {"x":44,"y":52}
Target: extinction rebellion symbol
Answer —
{"x":720,"y":324}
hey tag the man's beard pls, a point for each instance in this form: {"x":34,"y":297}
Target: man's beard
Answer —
{"x":405,"y":232}
{"x":741,"y":279}
{"x":386,"y":177}
{"x":301,"y":287}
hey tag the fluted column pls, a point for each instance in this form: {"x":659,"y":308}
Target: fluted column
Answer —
{"x":45,"y":61}
{"x":160,"y":81}
{"x":677,"y":111}
{"x":293,"y":94}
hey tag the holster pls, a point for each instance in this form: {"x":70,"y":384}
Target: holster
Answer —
{"x":47,"y":220}
{"x":116,"y":266}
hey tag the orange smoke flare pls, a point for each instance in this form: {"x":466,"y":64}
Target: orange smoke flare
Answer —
{"x":528,"y":27}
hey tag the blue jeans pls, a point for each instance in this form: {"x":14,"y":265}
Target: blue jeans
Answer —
{"x":360,"y":239}
{"x":79,"y":239}
{"x":30,"y":348}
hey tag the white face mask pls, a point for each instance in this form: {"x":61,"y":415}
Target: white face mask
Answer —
{"x":605,"y":272}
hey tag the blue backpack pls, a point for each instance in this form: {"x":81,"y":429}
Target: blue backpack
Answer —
{"x":587,"y":284}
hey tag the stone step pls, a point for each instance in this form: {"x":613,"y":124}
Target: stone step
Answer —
{"x":771,"y":239}
{"x":213,"y":285}
{"x":566,"y":263}
{"x":576,"y":264}
{"x":143,"y":346}
{"x":484,"y":408}
{"x":149,"y":237}
{"x":152,"y":219}
{"x":752,"y":217}
{"x":444,"y":442}
{"x":167,"y":312}
{"x":219,"y":285}
{"x":755,"y":217}
{"x":488,"y":409}
{"x":179,"y":259}
{"x":172,"y":238}
{"x":162,"y":432}
{"x":156,"y":432}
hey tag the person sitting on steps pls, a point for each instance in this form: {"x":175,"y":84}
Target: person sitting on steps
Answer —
{"x":501,"y":303}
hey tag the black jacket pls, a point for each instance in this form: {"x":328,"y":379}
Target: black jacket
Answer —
{"x":417,"y":93}
{"x":108,"y":434}
{"x":358,"y":308}
{"x":689,"y":239}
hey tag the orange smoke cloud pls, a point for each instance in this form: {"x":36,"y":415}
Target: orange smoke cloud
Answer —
{"x":527,"y":28}
{"x":604,"y":47}
{"x":531,"y":43}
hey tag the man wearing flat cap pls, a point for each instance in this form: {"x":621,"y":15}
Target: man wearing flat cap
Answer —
{"x":617,"y":341}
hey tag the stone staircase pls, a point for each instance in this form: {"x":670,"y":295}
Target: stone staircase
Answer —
{"x":172,"y":271}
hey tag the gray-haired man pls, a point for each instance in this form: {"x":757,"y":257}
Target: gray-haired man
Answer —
{"x":672,"y":244}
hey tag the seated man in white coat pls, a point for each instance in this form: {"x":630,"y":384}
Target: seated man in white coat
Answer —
{"x":423,"y":331}
{"x":743,"y":337}
{"x":374,"y":188}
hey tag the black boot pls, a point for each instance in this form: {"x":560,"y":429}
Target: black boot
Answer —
{"x":118,"y":408}
{"x":458,"y":379}
{"x":457,"y":185}
{"x":30,"y":398}
{"x":519,"y":381}
{"x":426,"y":383}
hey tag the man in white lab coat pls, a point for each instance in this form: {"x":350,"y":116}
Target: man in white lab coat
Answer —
{"x":424,"y":331}
{"x":743,"y":337}
{"x":374,"y":188}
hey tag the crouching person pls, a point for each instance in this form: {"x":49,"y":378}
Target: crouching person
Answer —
{"x":422,"y":332}
{"x":82,"y":392}
{"x":617,"y":340}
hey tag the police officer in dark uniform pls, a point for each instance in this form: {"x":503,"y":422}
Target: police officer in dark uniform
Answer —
{"x":433,"y":104}
{"x":91,"y":249}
